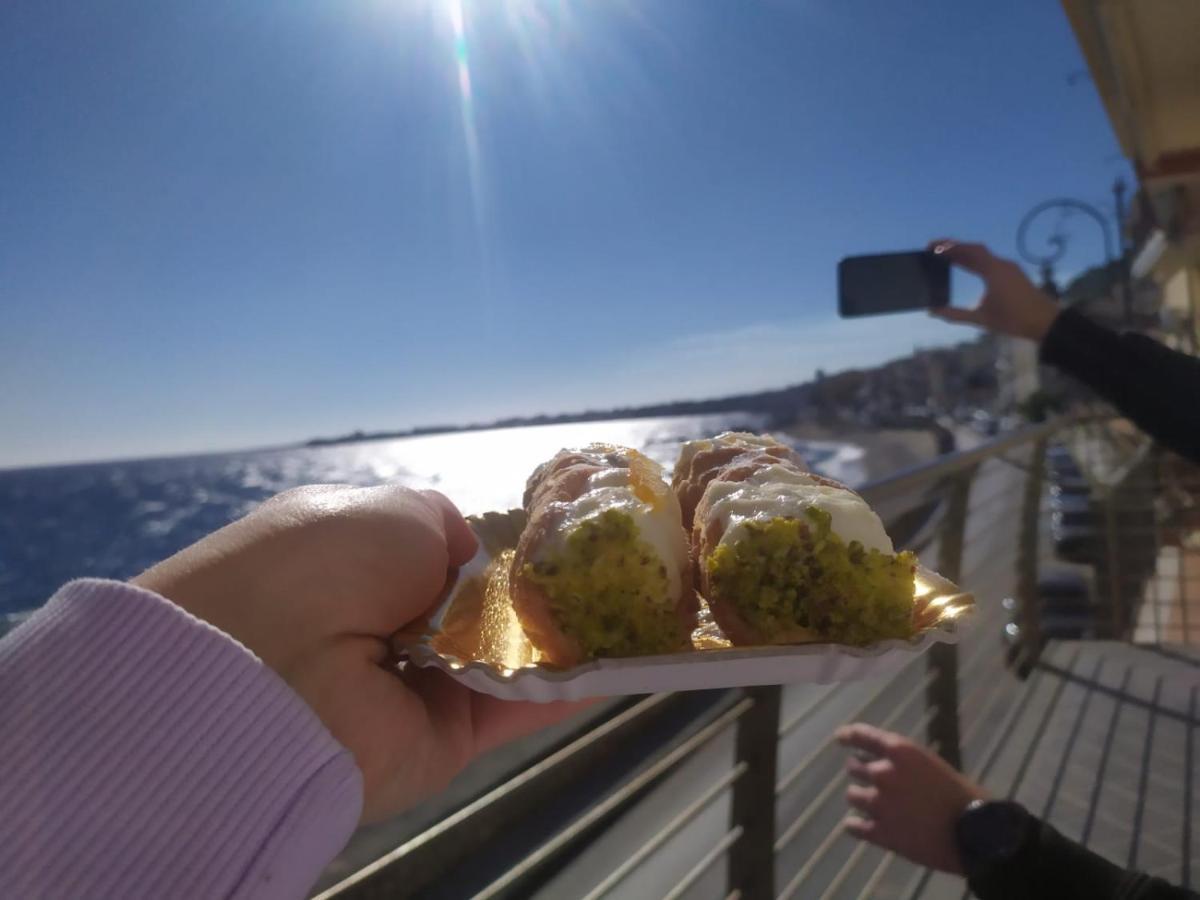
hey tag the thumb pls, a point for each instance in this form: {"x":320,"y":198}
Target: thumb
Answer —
{"x":973,"y":257}
{"x":958,"y":314}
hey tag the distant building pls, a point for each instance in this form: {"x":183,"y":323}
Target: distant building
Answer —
{"x":1142,"y":56}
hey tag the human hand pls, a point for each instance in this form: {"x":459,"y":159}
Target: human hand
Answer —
{"x":314,"y":582}
{"x":1011,"y":304}
{"x":912,"y":797}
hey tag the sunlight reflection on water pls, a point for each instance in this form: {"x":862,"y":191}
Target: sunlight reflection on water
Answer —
{"x":487,"y":470}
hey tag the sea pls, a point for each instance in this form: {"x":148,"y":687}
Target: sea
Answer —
{"x":115,"y":519}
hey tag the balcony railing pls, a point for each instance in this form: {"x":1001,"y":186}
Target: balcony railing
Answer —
{"x":1072,"y":530}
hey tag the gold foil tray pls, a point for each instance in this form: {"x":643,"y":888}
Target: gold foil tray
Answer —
{"x":474,"y":636}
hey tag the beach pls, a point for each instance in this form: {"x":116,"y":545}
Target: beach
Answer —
{"x":884,"y":450}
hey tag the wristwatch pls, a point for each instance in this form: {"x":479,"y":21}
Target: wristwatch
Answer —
{"x":990,"y":834}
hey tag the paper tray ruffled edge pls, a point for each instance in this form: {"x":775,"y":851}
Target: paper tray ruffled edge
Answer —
{"x":813,"y":663}
{"x":699,"y":670}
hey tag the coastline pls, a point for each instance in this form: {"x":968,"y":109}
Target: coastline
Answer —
{"x":885,"y":450}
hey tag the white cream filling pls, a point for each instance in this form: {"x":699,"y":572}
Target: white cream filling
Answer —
{"x":661,"y":528}
{"x":775,"y":491}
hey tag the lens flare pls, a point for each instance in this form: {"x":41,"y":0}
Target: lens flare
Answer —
{"x":462,"y":58}
{"x":546,"y":52}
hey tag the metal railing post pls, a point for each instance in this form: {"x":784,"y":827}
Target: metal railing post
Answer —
{"x":1029,"y":614}
{"x":1133,"y":532}
{"x":1113,"y":565}
{"x":942,"y":659}
{"x":752,"y":857}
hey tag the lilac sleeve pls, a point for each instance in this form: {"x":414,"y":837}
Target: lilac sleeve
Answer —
{"x":144,"y":753}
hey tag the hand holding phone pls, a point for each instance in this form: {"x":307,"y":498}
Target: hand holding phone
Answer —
{"x":892,"y":282}
{"x":1011,"y":304}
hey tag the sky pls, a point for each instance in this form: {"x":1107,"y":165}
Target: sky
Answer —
{"x":230,"y":224}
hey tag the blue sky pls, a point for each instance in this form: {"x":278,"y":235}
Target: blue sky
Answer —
{"x":227,"y":224}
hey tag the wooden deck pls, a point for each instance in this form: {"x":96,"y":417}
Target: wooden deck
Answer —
{"x":1101,"y":742}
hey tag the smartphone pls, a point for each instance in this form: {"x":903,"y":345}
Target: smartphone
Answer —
{"x":892,"y":282}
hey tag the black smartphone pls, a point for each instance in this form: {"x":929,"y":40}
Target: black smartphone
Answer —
{"x":892,"y":282}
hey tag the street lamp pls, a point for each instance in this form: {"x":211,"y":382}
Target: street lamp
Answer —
{"x":1056,"y":243}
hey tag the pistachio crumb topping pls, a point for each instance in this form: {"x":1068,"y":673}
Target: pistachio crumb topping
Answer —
{"x":786,"y":572}
{"x":610,"y":590}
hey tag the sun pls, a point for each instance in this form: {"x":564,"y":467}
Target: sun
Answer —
{"x":552,"y":41}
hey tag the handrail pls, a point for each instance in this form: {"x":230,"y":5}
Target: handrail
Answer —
{"x":909,"y":480}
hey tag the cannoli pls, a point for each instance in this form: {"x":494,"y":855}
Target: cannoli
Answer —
{"x":786,"y":556}
{"x":602,"y":567}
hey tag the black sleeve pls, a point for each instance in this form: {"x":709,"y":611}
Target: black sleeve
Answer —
{"x":1155,"y":386}
{"x":1050,"y":867}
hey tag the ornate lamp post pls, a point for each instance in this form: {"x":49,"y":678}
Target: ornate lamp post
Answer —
{"x":1056,"y":243}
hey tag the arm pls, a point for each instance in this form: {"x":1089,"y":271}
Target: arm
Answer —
{"x":911,"y":801}
{"x":1143,"y":379}
{"x":142,"y":747}
{"x":1050,"y":865}
{"x":220,"y":729}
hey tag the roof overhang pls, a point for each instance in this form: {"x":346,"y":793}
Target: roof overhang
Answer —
{"x":1144,"y":57}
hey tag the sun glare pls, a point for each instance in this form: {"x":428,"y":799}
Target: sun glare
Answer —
{"x":549,"y":41}
{"x":462,"y":61}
